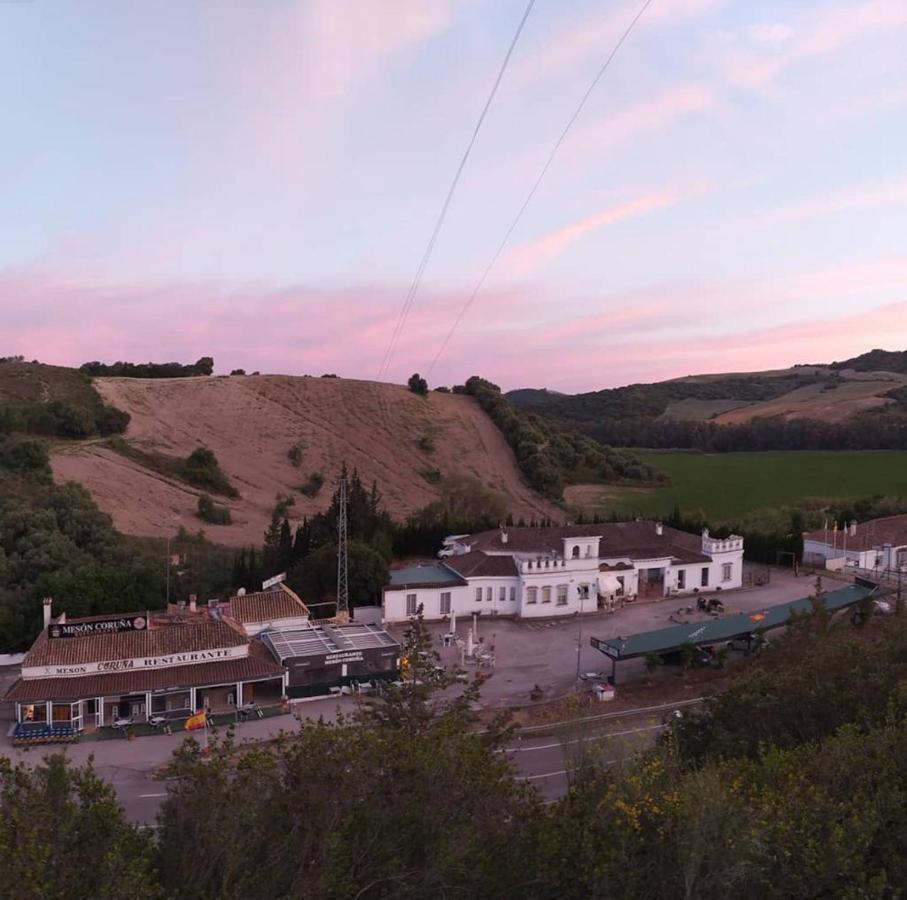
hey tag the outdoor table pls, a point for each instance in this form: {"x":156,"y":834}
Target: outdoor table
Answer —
{"x":122,"y":723}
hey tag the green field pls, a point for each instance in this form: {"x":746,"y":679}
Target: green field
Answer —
{"x":729,"y":485}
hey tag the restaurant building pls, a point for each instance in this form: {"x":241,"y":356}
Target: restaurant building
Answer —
{"x":99,"y":670}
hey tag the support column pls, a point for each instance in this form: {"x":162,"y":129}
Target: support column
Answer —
{"x":192,"y":700}
{"x":49,"y":713}
{"x":238,"y":694}
{"x":147,"y":705}
{"x":286,"y":682}
{"x":99,"y":711}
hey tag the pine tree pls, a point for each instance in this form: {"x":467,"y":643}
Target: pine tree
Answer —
{"x":271,"y":549}
{"x":285,"y":547}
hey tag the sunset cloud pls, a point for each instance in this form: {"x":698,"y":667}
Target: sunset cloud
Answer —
{"x":524,"y":259}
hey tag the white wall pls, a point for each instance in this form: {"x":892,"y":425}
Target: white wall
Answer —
{"x":394,"y":601}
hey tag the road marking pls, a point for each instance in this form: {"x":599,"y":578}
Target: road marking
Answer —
{"x":154,"y":795}
{"x":608,"y":762}
{"x":598,"y":737}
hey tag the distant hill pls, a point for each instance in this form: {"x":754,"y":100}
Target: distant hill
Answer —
{"x":854,"y":403}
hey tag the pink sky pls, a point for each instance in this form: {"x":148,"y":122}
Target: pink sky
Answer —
{"x":257,"y":183}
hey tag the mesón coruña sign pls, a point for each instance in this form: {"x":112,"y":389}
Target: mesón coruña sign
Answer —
{"x":113,"y":625}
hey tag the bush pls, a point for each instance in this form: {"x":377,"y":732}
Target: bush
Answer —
{"x":202,"y":469}
{"x":26,"y":457}
{"x":283,"y":504}
{"x":110,"y":420}
{"x":203,"y":366}
{"x":432,"y":476}
{"x":238,"y":372}
{"x":418,"y":385}
{"x":294,"y":454}
{"x":427,"y":444}
{"x":313,"y":485}
{"x":209,"y":511}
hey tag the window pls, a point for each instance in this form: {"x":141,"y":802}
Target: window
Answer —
{"x":489,"y":594}
{"x":445,"y":603}
{"x":546,"y":594}
{"x":727,"y":571}
{"x":620,"y":585}
{"x":502,"y":595}
{"x":532,"y":595}
{"x":576,"y":552}
{"x":583,"y":591}
{"x":562,"y":595}
{"x":410,"y":604}
{"x":478,"y":595}
{"x":704,"y":580}
{"x":681,"y":579}
{"x":513,"y":595}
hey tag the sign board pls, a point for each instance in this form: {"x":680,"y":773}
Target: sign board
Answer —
{"x":277,"y":579}
{"x":130,"y":665}
{"x":113,"y":625}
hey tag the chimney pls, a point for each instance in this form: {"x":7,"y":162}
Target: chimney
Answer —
{"x":192,"y":603}
{"x":853,"y":528}
{"x":48,"y":602}
{"x":659,"y":528}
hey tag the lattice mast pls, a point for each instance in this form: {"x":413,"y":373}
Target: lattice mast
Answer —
{"x":343,"y":594}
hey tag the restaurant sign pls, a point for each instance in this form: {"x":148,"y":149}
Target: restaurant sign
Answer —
{"x":112,"y":625}
{"x":130,"y":665}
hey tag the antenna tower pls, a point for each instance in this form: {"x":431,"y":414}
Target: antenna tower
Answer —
{"x":343,"y":594}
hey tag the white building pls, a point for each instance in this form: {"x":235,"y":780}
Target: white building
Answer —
{"x":558,"y":571}
{"x":879,"y":545}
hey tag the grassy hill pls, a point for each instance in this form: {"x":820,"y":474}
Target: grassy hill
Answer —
{"x":857,"y":403}
{"x":274,"y":435}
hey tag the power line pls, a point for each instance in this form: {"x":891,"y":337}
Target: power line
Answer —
{"x":426,"y":255}
{"x":557,"y":144}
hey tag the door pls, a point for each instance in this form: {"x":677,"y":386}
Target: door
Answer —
{"x":75,"y":716}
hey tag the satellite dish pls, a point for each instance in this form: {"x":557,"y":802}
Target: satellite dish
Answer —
{"x":241,"y":592}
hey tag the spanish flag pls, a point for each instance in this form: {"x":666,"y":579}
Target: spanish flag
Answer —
{"x":199,"y":720}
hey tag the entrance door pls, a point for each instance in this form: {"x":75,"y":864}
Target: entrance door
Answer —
{"x":75,"y":716}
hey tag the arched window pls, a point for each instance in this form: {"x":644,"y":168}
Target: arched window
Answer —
{"x":576,"y":551}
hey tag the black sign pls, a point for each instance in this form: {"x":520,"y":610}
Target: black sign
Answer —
{"x":113,"y":625}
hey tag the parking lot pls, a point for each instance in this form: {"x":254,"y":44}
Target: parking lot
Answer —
{"x":544,"y":653}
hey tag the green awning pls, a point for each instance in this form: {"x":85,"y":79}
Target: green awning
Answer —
{"x":663,"y":640}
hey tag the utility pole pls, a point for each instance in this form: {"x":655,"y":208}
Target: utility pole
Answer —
{"x":343,"y":594}
{"x":168,"y":568}
{"x":579,"y":636}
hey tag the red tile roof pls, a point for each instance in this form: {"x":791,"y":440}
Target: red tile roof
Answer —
{"x":873,"y":533}
{"x":267,"y":606}
{"x":477,"y":565}
{"x":114,"y":684}
{"x":178,"y":636}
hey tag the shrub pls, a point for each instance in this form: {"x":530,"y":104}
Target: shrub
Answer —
{"x":110,"y":420}
{"x":432,"y":476}
{"x":203,"y":470}
{"x":417,"y":384}
{"x":283,"y":504}
{"x":238,"y":372}
{"x":209,"y":511}
{"x":313,"y":485}
{"x":427,"y":444}
{"x":294,"y":454}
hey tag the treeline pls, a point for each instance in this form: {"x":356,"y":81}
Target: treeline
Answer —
{"x":62,"y":418}
{"x":882,"y":429}
{"x":876,"y":361}
{"x":790,"y":784}
{"x":549,"y":455}
{"x":204,"y":366}
{"x":308,"y":552}
{"x":54,"y":542}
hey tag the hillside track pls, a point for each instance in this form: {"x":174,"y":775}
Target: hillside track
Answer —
{"x":251,"y":422}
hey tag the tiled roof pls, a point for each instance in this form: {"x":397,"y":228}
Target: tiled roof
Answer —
{"x":430,"y":575}
{"x":267,"y":606}
{"x":477,"y":564}
{"x":873,"y":533}
{"x":248,"y":668}
{"x":635,"y":540}
{"x":617,"y":567}
{"x":161,"y":640}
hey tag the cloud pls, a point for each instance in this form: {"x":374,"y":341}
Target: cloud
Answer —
{"x":591,"y":36}
{"x":871,"y":196}
{"x":826,"y":32}
{"x":541,"y":336}
{"x":523,"y":259}
{"x":646,"y":117}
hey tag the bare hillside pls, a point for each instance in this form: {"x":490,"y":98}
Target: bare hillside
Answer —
{"x":251,"y":422}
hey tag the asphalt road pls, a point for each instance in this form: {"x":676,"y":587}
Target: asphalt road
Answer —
{"x":546,"y":760}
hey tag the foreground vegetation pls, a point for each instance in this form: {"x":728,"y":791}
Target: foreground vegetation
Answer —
{"x":792,"y":784}
{"x":726,"y":487}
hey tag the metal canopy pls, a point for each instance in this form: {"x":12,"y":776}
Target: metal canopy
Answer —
{"x":740,"y":625}
{"x":318,"y":640}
